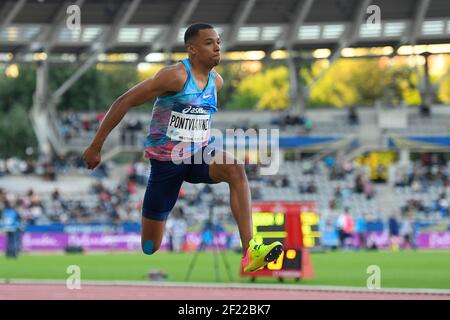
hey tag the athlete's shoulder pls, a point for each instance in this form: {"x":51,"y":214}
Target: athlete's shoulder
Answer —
{"x":174,"y":75}
{"x":218,"y":80}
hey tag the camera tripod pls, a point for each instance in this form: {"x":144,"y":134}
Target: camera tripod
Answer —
{"x":209,"y":227}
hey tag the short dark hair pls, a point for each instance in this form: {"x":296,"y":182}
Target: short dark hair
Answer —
{"x":193,"y":30}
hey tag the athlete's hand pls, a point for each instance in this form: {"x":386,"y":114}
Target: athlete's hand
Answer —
{"x":92,"y":156}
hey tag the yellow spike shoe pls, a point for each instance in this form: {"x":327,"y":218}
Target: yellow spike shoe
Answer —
{"x":259,"y":255}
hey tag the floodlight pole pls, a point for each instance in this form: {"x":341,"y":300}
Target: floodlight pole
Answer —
{"x":297,"y":94}
{"x":426,"y":91}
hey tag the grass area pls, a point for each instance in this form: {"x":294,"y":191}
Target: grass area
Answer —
{"x":406,"y":269}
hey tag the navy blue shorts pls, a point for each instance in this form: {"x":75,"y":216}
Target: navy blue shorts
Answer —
{"x":164,"y":185}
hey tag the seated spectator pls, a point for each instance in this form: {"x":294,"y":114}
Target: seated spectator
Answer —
{"x":311,"y":188}
{"x":353,"y":117}
{"x":308,"y":125}
{"x":285,"y":183}
{"x":443,"y":205}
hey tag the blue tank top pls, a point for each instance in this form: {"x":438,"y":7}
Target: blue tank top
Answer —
{"x":180,"y":123}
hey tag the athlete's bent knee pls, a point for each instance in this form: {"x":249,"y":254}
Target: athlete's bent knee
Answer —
{"x":236,"y":172}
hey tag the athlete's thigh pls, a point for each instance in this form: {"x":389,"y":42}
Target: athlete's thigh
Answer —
{"x":162,"y":190}
{"x":221,"y":164}
{"x":198,"y":166}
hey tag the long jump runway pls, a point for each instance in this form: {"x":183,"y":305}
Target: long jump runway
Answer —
{"x":22,"y":290}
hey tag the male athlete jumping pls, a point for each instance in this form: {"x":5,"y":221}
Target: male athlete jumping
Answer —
{"x":186,"y":95}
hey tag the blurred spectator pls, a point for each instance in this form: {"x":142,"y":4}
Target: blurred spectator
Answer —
{"x":256,"y":192}
{"x":101,"y":171}
{"x":340,"y":223}
{"x":286,"y":120}
{"x":380,"y":176}
{"x":285,"y":183}
{"x":394,"y":231}
{"x":49,"y":172}
{"x":309,"y":187}
{"x":138,"y":171}
{"x":348,"y":227}
{"x":309,"y":167}
{"x":308,"y":125}
{"x":336,"y":172}
{"x":443,"y":205}
{"x":345,"y":227}
{"x":330,"y":161}
{"x":353,"y":117}
{"x":364,"y":185}
{"x":407,"y":232}
{"x":207,"y":235}
{"x":129,"y":132}
{"x":100,"y":116}
{"x":176,"y":230}
{"x":252,"y":171}
{"x":359,"y":183}
{"x":3,"y":170}
{"x":11,"y":224}
{"x":361,"y":231}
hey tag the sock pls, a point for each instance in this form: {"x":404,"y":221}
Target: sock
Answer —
{"x":148,"y":247}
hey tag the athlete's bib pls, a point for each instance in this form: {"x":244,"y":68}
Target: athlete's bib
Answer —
{"x":188,"y":127}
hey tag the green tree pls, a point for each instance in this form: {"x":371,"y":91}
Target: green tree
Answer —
{"x":17,"y":91}
{"x":264,"y":90}
{"x":16,"y":132}
{"x":97,"y":89}
{"x":16,"y":98}
{"x":350,"y":82}
{"x":233,"y":73}
{"x":404,"y":86}
{"x":444,"y":90}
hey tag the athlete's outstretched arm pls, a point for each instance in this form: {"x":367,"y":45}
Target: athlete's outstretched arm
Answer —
{"x":168,"y":79}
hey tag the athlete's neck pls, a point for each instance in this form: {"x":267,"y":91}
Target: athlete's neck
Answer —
{"x":201,"y":71}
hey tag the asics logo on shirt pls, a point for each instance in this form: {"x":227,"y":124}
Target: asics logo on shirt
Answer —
{"x":194,"y":110}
